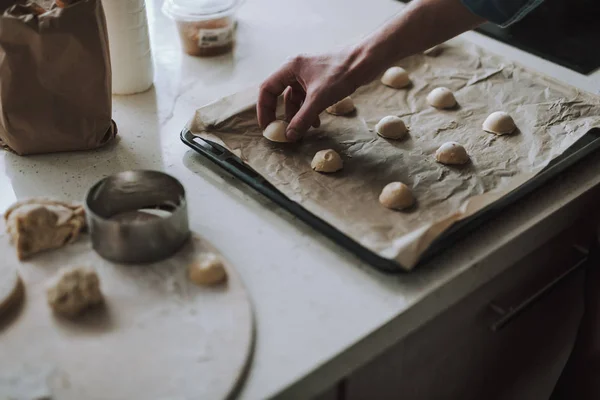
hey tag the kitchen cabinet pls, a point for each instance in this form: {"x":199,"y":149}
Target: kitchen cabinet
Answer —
{"x":510,"y":339}
{"x":335,"y":392}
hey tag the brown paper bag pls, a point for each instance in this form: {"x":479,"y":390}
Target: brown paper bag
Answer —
{"x":55,"y":78}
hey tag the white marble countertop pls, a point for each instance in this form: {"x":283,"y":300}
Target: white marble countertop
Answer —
{"x":320,"y":312}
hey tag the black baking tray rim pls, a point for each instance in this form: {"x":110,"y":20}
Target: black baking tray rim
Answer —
{"x":228,"y":161}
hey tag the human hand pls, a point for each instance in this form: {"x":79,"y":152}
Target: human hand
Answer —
{"x":309,"y":85}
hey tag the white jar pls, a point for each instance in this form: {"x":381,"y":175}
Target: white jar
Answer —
{"x":129,"y":43}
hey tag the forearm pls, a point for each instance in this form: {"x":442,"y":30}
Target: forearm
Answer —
{"x":421,"y":25}
{"x":312,"y":83}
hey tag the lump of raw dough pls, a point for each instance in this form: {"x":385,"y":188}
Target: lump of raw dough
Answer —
{"x":74,"y":290}
{"x":208,"y":269}
{"x":343,"y":107}
{"x":41,"y":224}
{"x":275,"y":131}
{"x":396,"y":196}
{"x":441,"y":98}
{"x":395,"y":77}
{"x":391,"y":127}
{"x":499,"y":123}
{"x":451,"y":153}
{"x":327,"y":161}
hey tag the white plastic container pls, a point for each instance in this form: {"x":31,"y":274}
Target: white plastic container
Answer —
{"x":129,"y":43}
{"x":206,"y":27}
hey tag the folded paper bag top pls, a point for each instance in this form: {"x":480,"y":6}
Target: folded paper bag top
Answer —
{"x":56,"y":78}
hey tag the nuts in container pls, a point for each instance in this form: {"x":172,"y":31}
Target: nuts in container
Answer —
{"x":206,"y":27}
{"x":212,"y":37}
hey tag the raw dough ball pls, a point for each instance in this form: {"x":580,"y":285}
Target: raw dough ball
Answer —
{"x":441,"y":98}
{"x":343,"y":107}
{"x":208,"y":269}
{"x":396,"y":196}
{"x":391,"y":127}
{"x":327,"y":161}
{"x":11,"y":288}
{"x":499,"y":123}
{"x":395,"y":77}
{"x":74,"y":290}
{"x":451,"y":153}
{"x":37,"y":225}
{"x":275,"y":131}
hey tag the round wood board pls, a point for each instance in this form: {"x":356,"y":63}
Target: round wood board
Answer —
{"x":158,"y":336}
{"x":11,"y":288}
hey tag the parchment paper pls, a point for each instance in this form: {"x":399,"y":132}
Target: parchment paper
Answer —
{"x":550,"y":117}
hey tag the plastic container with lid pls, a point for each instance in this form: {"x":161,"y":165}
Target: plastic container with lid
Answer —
{"x":206,"y":27}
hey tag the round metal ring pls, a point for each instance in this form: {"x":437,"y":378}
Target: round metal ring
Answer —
{"x":137,"y":216}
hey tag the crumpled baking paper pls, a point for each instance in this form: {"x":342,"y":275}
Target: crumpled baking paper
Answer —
{"x":550,"y":117}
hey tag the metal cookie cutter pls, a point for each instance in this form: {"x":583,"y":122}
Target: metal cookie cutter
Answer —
{"x":137,"y":216}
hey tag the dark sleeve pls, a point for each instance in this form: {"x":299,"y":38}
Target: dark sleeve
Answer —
{"x":502,"y":12}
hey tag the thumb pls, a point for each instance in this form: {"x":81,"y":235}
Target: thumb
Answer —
{"x":304,"y":118}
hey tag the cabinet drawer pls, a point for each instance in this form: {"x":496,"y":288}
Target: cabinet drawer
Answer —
{"x":335,"y":392}
{"x":509,"y":339}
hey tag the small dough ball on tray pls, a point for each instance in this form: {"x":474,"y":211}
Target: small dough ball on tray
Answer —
{"x":499,"y":123}
{"x":391,"y":127}
{"x":207,"y":270}
{"x":452,"y":153}
{"x":74,"y":290}
{"x":396,"y":77}
{"x":275,"y":131}
{"x":327,"y":161}
{"x":442,"y":98}
{"x":396,"y":196}
{"x":343,"y":107}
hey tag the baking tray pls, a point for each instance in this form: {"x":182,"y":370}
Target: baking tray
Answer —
{"x":228,"y":161}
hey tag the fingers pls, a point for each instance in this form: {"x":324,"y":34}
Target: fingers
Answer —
{"x":270,"y":91}
{"x":307,"y":115}
{"x":293,"y":98}
{"x":299,"y":110}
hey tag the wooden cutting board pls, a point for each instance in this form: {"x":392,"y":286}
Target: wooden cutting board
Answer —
{"x":158,"y":337}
